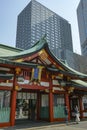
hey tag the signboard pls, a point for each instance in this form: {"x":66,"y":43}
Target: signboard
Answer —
{"x":36,"y":72}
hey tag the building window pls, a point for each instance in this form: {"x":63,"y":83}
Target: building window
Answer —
{"x":44,"y":113}
{"x":58,"y":107}
{"x":4,"y":106}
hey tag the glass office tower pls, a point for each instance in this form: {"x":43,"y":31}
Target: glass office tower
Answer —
{"x":35,"y":21}
{"x":82,"y":24}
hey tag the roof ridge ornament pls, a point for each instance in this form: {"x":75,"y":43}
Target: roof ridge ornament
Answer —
{"x":43,"y":39}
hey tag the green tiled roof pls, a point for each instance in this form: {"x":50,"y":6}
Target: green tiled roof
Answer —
{"x":8,"y":50}
{"x":72,"y":70}
{"x":17,"y":64}
{"x":66,"y":68}
{"x":80,"y":82}
{"x":36,"y":48}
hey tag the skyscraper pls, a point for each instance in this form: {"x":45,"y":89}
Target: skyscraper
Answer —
{"x":82,"y":24}
{"x":35,"y":21}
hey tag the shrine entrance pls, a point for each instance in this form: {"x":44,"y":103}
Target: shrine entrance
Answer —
{"x":74,"y":101}
{"x":26,"y":107}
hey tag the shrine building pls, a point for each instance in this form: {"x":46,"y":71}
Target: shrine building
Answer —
{"x":35,"y":85}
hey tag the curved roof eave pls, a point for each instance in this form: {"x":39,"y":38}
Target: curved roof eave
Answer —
{"x":80,"y":82}
{"x":66,"y":67}
{"x":35,"y":48}
{"x":42,"y":43}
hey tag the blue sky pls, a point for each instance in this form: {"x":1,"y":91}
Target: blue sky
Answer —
{"x":9,"y":10}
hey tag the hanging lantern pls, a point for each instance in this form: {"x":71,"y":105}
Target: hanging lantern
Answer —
{"x":17,"y":88}
{"x":7,"y":81}
{"x":18,"y":70}
{"x":71,"y":89}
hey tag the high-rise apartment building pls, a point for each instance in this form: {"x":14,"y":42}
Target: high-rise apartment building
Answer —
{"x":82,"y":24}
{"x":35,"y":21}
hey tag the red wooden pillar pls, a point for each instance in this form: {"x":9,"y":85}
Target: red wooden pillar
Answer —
{"x":50,"y":102}
{"x":38,"y":105}
{"x":13,"y":102}
{"x":67,"y":104}
{"x":80,"y":104}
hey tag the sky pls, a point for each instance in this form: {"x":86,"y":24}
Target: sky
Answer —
{"x":9,"y":10}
